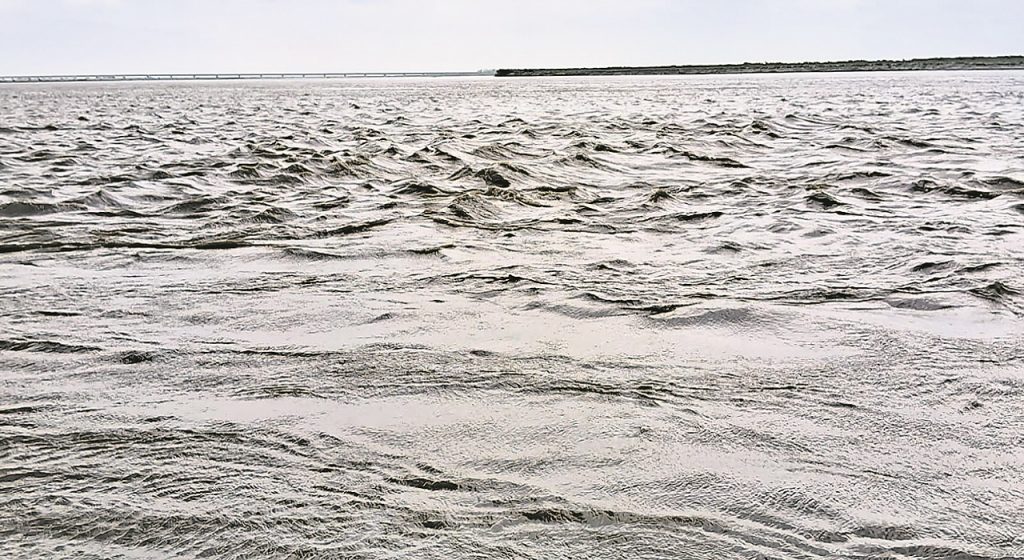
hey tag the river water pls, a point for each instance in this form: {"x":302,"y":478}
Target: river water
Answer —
{"x":670,"y":317}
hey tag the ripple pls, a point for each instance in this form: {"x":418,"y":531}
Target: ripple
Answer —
{"x":711,"y":317}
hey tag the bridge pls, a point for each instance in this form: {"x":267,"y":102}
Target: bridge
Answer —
{"x":252,"y":76}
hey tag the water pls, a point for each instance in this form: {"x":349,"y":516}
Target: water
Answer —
{"x":701,"y":317}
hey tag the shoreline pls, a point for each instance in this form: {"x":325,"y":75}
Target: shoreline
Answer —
{"x":916,"y":64}
{"x":951,"y":64}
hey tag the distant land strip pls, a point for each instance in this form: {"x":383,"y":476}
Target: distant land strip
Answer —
{"x":229,"y":76}
{"x":954,"y":63}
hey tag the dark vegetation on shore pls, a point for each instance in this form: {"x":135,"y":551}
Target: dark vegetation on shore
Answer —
{"x":956,"y":63}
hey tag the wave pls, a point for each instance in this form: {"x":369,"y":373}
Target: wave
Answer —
{"x":608,"y":317}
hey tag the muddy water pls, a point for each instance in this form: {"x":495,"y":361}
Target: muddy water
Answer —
{"x":703,"y":317}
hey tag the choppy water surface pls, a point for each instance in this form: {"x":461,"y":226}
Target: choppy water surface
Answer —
{"x":700,"y":317}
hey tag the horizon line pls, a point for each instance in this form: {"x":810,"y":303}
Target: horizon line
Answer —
{"x":503,"y":67}
{"x":212,"y":76}
{"x":501,"y":71}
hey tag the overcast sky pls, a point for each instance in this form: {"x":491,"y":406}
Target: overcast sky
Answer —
{"x":111,"y":36}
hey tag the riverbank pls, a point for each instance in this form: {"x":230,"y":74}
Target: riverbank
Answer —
{"x":957,"y":63}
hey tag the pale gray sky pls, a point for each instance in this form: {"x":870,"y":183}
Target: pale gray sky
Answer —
{"x":100,"y":36}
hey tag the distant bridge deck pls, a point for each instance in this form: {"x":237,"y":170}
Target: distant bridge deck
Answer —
{"x":253,"y":76}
